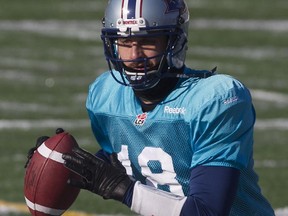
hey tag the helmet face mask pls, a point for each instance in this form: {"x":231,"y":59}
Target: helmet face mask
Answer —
{"x":154,"y":20}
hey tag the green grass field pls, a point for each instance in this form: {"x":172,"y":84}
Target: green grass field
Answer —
{"x":51,"y":50}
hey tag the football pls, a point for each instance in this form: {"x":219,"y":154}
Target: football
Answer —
{"x":45,"y":184}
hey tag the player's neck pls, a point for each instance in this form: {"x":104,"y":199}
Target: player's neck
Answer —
{"x":151,"y":97}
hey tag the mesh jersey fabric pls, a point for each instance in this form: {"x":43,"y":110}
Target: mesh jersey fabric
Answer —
{"x":206,"y":122}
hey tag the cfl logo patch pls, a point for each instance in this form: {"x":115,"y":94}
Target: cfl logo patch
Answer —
{"x":140,"y":119}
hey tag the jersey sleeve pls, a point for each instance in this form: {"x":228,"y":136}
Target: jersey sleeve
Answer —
{"x":223,"y":127}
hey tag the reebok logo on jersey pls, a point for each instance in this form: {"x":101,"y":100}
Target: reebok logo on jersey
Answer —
{"x":140,"y":119}
{"x":231,"y":100}
{"x":175,"y":110}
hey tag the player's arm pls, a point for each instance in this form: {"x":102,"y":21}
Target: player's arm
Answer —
{"x":212,"y":189}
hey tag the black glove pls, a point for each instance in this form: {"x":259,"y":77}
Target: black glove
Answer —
{"x":39,"y":141}
{"x":108,"y":180}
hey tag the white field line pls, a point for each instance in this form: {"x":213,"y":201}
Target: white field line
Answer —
{"x":84,"y":30}
{"x":91,"y":30}
{"x":9,"y":207}
{"x":20,"y":158}
{"x":256,"y":53}
{"x":257,"y":94}
{"x":271,"y":164}
{"x":93,"y":6}
{"x":268,"y":96}
{"x":25,"y":124}
{"x":30,"y":107}
{"x":271,"y":124}
{"x":51,"y":123}
{"x":282,"y":211}
{"x":228,"y":4}
{"x":28,"y":63}
{"x":234,"y":24}
{"x":18,"y":75}
{"x":24,"y":61}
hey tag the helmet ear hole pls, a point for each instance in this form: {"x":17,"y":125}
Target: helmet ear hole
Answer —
{"x":177,"y":54}
{"x":181,"y":21}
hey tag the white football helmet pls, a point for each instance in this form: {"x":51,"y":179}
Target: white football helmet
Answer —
{"x":141,"y":18}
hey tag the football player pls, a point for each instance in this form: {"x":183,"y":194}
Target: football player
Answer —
{"x":174,"y":141}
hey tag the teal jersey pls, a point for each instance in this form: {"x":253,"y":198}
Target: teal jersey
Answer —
{"x":203,"y":121}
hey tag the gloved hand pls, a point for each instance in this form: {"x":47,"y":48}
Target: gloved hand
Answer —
{"x":108,"y":180}
{"x":39,"y":141}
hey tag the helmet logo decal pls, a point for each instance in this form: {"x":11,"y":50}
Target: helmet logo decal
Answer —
{"x":131,"y":9}
{"x":140,"y":119}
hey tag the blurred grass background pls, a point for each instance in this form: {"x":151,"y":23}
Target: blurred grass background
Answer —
{"x":50,"y":51}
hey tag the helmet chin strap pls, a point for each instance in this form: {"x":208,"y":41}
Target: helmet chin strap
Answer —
{"x":149,"y":98}
{"x":196,"y":74}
